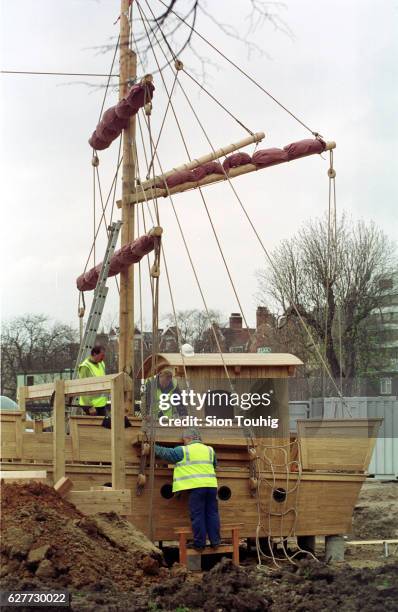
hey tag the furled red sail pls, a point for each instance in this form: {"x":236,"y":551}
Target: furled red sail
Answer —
{"x":115,"y":119}
{"x":262,"y":158}
{"x":129,"y":254}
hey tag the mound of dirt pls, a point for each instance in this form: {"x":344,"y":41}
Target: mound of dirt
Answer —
{"x":225,"y":587}
{"x":306,"y":587}
{"x":47,"y":542}
{"x":376,"y":514}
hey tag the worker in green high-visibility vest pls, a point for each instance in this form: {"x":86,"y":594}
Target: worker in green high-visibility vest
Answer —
{"x":94,"y":365}
{"x":163,"y":393}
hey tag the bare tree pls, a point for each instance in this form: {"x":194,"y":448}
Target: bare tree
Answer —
{"x":333,"y":283}
{"x":168,"y":29}
{"x":193,"y":326}
{"x":31,"y":343}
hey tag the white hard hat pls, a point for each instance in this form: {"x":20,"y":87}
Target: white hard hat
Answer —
{"x":187,"y":350}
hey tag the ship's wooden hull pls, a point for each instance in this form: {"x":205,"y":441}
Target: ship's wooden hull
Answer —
{"x":316,"y":503}
{"x":324,"y":502}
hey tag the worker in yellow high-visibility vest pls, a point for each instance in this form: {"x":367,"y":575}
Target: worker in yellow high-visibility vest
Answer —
{"x":162,"y":396}
{"x":94,"y":365}
{"x":194,"y":471}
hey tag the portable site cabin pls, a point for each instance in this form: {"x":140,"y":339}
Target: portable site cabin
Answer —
{"x":277,"y":483}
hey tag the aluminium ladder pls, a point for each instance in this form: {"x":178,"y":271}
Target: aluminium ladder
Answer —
{"x":98,"y":303}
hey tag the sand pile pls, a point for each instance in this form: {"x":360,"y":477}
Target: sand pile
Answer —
{"x":46,"y":541}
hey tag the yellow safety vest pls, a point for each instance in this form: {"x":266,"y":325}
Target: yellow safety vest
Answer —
{"x":196,"y":469}
{"x":95,"y":369}
{"x":158,"y":392}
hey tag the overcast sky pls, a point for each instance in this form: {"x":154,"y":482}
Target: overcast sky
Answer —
{"x":337,"y":71}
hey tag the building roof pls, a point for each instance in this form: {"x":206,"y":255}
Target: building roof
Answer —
{"x":231,"y":359}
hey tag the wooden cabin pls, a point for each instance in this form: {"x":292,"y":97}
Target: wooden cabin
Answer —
{"x":277,"y":483}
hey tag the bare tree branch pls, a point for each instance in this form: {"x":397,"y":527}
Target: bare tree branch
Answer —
{"x":326,"y":287}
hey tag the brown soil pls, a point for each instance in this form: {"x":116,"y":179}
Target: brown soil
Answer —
{"x":46,"y":541}
{"x":376,"y":513}
{"x":108,"y":565}
{"x":309,"y":586}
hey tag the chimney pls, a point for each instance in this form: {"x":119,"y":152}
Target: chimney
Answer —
{"x":235,"y":320}
{"x":262,"y":316}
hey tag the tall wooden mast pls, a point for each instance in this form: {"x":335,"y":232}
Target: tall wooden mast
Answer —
{"x":128,"y":71}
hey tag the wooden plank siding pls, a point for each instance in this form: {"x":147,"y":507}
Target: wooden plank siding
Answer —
{"x":325,"y":502}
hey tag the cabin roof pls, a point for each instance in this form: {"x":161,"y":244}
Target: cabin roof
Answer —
{"x":231,"y":359}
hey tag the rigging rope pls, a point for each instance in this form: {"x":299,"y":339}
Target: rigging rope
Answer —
{"x":197,"y":280}
{"x":276,"y":272}
{"x":113,"y":186}
{"x":266,"y":508}
{"x":143,"y":15}
{"x":179,"y":67}
{"x":187,"y":249}
{"x":94,"y":224}
{"x":164,"y":260}
{"x":109,"y":78}
{"x":240,"y":70}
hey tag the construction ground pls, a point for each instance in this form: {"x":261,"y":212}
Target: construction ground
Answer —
{"x":107,"y":564}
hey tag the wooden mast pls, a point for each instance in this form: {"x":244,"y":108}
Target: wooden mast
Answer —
{"x":128,"y":71}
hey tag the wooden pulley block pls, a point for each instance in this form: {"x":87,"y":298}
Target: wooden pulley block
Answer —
{"x":331,"y":173}
{"x":141,"y":480}
{"x":148,"y":78}
{"x":95,"y":160}
{"x":253,"y":483}
{"x":157,"y":230}
{"x":155,"y":271}
{"x":145,"y":449}
{"x":148,"y":108}
{"x":252,"y":454}
{"x":80,"y":312}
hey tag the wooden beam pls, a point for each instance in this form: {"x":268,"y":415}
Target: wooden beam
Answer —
{"x":80,"y":386}
{"x":38,"y":425}
{"x":22,"y":395}
{"x":91,"y":502}
{"x":23,"y":475}
{"x":128,"y":71}
{"x":257,"y":137}
{"x":63,"y":486}
{"x":59,"y":431}
{"x":368,"y":542}
{"x":157,"y":192}
{"x":117,"y":433}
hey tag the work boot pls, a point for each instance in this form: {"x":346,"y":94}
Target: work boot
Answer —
{"x":198,"y":548}
{"x":192,"y":544}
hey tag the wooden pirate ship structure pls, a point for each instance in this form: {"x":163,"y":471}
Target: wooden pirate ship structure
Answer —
{"x":275,"y":482}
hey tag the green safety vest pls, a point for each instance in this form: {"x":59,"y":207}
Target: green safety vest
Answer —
{"x":96,"y":369}
{"x":158,"y":392}
{"x":196,"y":469}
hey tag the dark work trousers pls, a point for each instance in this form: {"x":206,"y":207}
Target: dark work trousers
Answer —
{"x":203,"y":507}
{"x":100,"y":411}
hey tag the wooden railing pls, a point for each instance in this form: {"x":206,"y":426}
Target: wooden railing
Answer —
{"x":117,"y":384}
